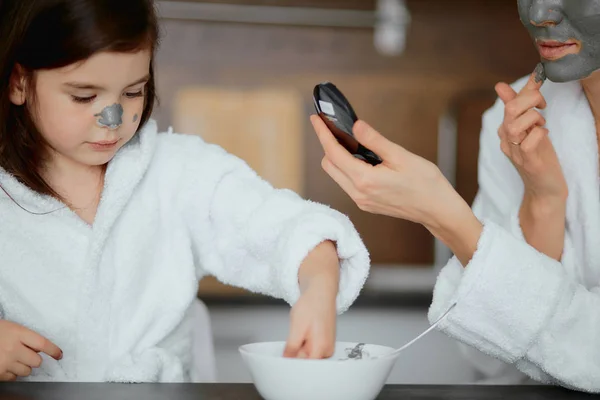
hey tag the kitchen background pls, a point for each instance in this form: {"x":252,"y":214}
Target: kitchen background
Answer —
{"x":240,"y":73}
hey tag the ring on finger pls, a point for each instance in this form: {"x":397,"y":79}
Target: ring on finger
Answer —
{"x":515,"y":143}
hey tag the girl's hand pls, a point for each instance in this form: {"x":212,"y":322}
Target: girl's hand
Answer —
{"x":313,"y":323}
{"x":313,"y":317}
{"x":19,"y":348}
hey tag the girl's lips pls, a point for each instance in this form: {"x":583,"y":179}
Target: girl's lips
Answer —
{"x":104,"y":145}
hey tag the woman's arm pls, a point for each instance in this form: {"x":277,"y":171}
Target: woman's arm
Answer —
{"x":524,"y":140}
{"x":519,"y":306}
{"x":513,"y":302}
{"x":543,"y":223}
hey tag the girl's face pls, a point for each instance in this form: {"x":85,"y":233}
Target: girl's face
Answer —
{"x":567,"y":34}
{"x":88,"y":110}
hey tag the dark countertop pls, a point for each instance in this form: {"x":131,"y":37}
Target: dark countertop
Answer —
{"x":365,"y":300}
{"x":105,"y":391}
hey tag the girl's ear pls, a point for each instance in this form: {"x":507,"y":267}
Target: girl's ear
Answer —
{"x":18,"y":89}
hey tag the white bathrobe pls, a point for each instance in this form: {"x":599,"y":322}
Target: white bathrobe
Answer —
{"x":527,"y":311}
{"x":115,"y":296}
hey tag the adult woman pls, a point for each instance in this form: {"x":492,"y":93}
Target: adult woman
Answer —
{"x":526,"y":271}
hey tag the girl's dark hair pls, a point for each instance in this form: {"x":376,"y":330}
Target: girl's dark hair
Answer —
{"x":47,"y":34}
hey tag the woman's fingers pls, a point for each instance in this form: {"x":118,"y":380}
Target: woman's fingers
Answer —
{"x":339,"y":177}
{"x":505,"y":92}
{"x":533,"y":140}
{"x":523,"y":103}
{"x":517,"y":130}
{"x":334,"y":151}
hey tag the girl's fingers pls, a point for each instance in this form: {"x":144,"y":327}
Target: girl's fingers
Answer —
{"x":29,"y":357}
{"x":8,"y":377}
{"x":19,"y":369}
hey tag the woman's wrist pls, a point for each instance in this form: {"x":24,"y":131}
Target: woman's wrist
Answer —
{"x":550,"y":195}
{"x":542,"y":221}
{"x":458,"y":228}
{"x":542,"y":207}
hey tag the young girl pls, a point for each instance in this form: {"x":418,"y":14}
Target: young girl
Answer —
{"x":106,"y":226}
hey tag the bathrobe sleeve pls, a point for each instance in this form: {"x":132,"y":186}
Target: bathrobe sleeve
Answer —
{"x":250,"y":235}
{"x":514,"y":304}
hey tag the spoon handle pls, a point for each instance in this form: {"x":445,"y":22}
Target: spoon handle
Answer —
{"x":432,"y":327}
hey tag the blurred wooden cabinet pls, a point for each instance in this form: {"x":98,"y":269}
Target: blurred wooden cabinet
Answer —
{"x":468,"y":109}
{"x":248,"y":88}
{"x":263,"y":126}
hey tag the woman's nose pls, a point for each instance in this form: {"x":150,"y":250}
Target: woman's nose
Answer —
{"x":546,"y":12}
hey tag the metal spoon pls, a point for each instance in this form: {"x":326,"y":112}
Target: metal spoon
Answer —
{"x":357,"y":352}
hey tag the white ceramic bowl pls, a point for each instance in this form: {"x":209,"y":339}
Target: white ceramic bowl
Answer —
{"x":279,"y":378}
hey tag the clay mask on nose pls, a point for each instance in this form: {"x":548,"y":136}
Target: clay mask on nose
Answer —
{"x":567,"y":33}
{"x":111,"y":117}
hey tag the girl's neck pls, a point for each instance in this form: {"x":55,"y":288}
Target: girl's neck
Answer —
{"x":64,"y":172}
{"x":79,"y":185}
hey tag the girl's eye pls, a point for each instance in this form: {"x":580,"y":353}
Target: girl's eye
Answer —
{"x":83,"y":100}
{"x":134,"y":94}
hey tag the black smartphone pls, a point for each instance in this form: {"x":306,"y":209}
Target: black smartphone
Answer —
{"x":339,"y":116}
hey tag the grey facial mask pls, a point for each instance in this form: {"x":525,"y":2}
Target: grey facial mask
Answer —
{"x":111,"y":117}
{"x":563,"y":20}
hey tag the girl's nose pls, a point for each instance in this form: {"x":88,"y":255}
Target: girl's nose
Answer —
{"x":111,"y":117}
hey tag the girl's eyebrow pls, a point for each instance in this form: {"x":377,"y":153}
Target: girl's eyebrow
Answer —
{"x":88,"y":86}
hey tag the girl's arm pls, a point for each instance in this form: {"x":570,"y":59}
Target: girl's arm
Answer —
{"x":248,"y":234}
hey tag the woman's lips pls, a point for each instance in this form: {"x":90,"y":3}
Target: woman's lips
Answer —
{"x":553,"y":50}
